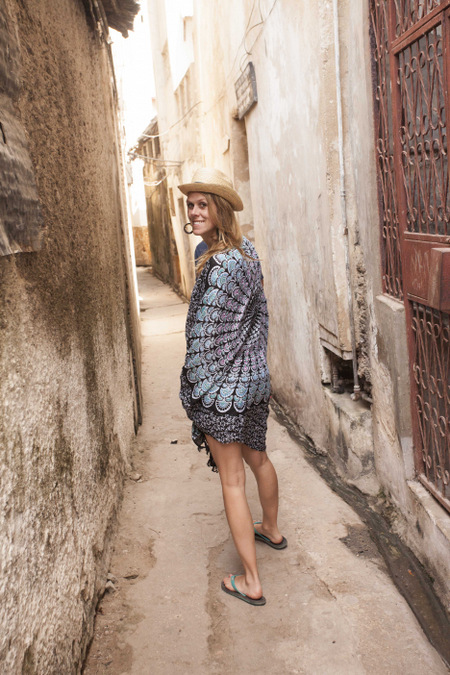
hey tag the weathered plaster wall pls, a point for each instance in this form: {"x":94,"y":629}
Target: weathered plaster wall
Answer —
{"x":165,"y":259}
{"x":138,"y":212}
{"x":66,"y":419}
{"x":294,"y":169}
{"x":142,"y":246}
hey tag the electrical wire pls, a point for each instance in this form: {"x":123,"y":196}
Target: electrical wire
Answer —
{"x":242,"y":42}
{"x":155,"y":183}
{"x":155,"y":160}
{"x":263,"y":21}
{"x":247,"y":52}
{"x":163,"y":133}
{"x":247,"y":31}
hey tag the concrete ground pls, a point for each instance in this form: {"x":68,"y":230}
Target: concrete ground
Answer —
{"x":331,"y":606}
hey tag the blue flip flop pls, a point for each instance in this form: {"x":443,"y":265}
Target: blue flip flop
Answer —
{"x":260,"y":537}
{"x":241,"y":596}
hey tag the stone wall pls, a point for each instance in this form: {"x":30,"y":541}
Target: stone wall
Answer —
{"x":67,"y":395}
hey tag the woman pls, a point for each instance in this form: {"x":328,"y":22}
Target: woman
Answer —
{"x":225,"y":386}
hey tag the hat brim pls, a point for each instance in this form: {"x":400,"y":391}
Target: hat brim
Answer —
{"x":227,"y":193}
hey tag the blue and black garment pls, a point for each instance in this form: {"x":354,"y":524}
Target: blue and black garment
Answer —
{"x":225,"y":383}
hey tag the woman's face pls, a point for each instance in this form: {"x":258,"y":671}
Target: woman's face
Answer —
{"x":199,"y":214}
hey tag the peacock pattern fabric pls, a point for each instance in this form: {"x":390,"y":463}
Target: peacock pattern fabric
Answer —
{"x":225,"y":383}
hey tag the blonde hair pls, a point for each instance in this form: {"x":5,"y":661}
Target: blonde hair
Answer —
{"x":229,"y":233}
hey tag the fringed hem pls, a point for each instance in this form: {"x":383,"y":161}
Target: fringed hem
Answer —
{"x":249,"y":429}
{"x":200,"y":441}
{"x":199,"y":438}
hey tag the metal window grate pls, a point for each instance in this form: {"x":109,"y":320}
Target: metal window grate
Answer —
{"x":424,"y":134}
{"x":431,"y":372}
{"x":411,"y":57}
{"x":391,"y":256}
{"x":409,"y":12}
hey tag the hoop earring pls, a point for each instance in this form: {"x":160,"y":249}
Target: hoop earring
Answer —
{"x":188,"y":225}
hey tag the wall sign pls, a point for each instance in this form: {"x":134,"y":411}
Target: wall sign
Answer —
{"x":245,"y":88}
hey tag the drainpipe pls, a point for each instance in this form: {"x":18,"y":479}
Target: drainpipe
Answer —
{"x":337,"y":56}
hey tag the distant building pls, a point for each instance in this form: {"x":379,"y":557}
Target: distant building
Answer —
{"x":165,"y":241}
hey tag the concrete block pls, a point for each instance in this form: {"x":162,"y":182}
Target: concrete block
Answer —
{"x":350,"y":442}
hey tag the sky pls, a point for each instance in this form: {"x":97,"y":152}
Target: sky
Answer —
{"x":134,"y":75}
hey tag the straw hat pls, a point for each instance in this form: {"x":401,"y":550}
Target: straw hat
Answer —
{"x":214,"y":181}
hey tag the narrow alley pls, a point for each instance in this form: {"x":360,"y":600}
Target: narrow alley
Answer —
{"x":300,"y":151}
{"x":331,"y":607}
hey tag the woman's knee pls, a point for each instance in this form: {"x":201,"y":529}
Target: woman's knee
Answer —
{"x":254,"y":458}
{"x":232,"y":476}
{"x":228,"y":458}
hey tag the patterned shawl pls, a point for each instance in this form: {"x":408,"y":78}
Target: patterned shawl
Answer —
{"x":225,"y":371}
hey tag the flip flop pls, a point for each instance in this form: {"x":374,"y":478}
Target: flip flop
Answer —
{"x":241,"y":596}
{"x":260,"y":537}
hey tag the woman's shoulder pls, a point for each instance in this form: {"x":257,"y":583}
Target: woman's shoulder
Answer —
{"x":249,"y":248}
{"x":200,"y":249}
{"x":241,"y":253}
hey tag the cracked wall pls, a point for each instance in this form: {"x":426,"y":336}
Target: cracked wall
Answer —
{"x":66,"y":395}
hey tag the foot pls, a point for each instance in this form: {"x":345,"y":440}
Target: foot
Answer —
{"x":273,"y":534}
{"x":253,"y":590}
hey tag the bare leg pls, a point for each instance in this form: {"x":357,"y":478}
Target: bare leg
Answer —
{"x":267,"y":481}
{"x":228,"y":458}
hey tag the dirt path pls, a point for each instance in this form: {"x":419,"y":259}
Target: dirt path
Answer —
{"x":331,"y":608}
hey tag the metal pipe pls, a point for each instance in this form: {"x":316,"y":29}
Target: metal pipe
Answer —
{"x":337,"y":57}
